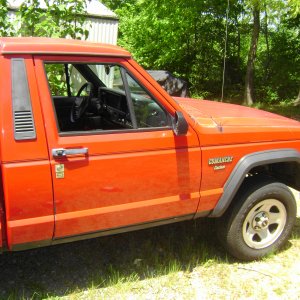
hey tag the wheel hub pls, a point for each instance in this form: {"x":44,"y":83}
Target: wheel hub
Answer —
{"x":260,"y":221}
{"x":264,"y":223}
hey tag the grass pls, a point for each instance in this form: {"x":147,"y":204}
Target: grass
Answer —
{"x":285,"y":108}
{"x":179,"y":261}
{"x":109,"y":266}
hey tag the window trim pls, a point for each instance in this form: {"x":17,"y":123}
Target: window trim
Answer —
{"x":129,"y":98}
{"x":113,"y":131}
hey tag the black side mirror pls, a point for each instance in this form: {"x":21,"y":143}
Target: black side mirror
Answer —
{"x":180,"y":125}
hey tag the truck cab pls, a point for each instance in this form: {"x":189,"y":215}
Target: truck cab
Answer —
{"x":88,"y":144}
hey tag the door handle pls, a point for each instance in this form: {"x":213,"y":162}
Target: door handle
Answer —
{"x":61,"y":152}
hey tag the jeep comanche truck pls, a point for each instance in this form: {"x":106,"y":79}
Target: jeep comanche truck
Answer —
{"x":91,"y":145}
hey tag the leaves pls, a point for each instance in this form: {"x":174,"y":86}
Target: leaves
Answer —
{"x":187,"y":38}
{"x":5,"y":23}
{"x":61,"y":18}
{"x":295,"y":7}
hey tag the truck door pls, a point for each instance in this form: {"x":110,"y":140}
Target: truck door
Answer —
{"x":115,"y":159}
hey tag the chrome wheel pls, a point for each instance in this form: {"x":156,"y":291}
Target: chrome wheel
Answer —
{"x":264,"y":223}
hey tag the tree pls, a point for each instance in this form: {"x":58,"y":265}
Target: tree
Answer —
{"x":187,"y":38}
{"x":295,"y":9}
{"x":60,"y":18}
{"x":184,"y":37}
{"x":5,"y":24}
{"x":297,"y":101}
{"x":249,"y":87}
{"x":118,"y":4}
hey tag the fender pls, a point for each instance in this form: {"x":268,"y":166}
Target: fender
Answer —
{"x":244,"y":165}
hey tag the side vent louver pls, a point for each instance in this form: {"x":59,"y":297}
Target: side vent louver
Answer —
{"x":24,"y":121}
{"x":24,"y":127}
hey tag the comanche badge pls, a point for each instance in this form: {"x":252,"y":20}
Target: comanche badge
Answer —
{"x":219,"y":162}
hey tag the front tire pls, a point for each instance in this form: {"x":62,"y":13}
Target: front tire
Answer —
{"x":259,"y":222}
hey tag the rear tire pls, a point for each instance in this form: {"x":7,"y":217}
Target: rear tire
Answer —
{"x":259,"y":222}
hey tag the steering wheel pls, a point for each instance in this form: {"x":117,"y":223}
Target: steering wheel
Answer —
{"x":81,"y":103}
{"x":89,"y":88}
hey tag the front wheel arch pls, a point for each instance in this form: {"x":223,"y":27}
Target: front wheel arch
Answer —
{"x":246,"y":164}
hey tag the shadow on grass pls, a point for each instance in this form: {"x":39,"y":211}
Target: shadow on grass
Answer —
{"x":65,"y":269}
{"x":74,"y":267}
{"x":296,"y":230}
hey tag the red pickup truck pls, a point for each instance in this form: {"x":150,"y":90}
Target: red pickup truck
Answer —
{"x":91,"y":145}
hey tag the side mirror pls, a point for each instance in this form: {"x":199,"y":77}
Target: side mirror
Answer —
{"x":180,"y":125}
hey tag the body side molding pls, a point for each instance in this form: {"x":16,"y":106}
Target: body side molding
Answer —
{"x":106,"y":232}
{"x":244,"y":165}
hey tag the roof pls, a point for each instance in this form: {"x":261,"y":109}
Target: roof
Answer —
{"x":94,"y":8}
{"x":39,"y":45}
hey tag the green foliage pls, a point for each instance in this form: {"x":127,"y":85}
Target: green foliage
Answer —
{"x":56,"y":78}
{"x":5,"y":24}
{"x":183,"y":37}
{"x":295,"y":7}
{"x":117,"y":4}
{"x":188,"y":38}
{"x":61,"y":18}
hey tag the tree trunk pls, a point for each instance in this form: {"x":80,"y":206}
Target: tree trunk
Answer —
{"x":297,"y":101}
{"x":239,"y":46}
{"x":267,"y":62}
{"x":249,"y":86}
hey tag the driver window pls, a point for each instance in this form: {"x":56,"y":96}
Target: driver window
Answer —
{"x":93,"y":97}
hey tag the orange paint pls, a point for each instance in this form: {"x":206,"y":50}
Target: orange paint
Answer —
{"x":127,"y":178}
